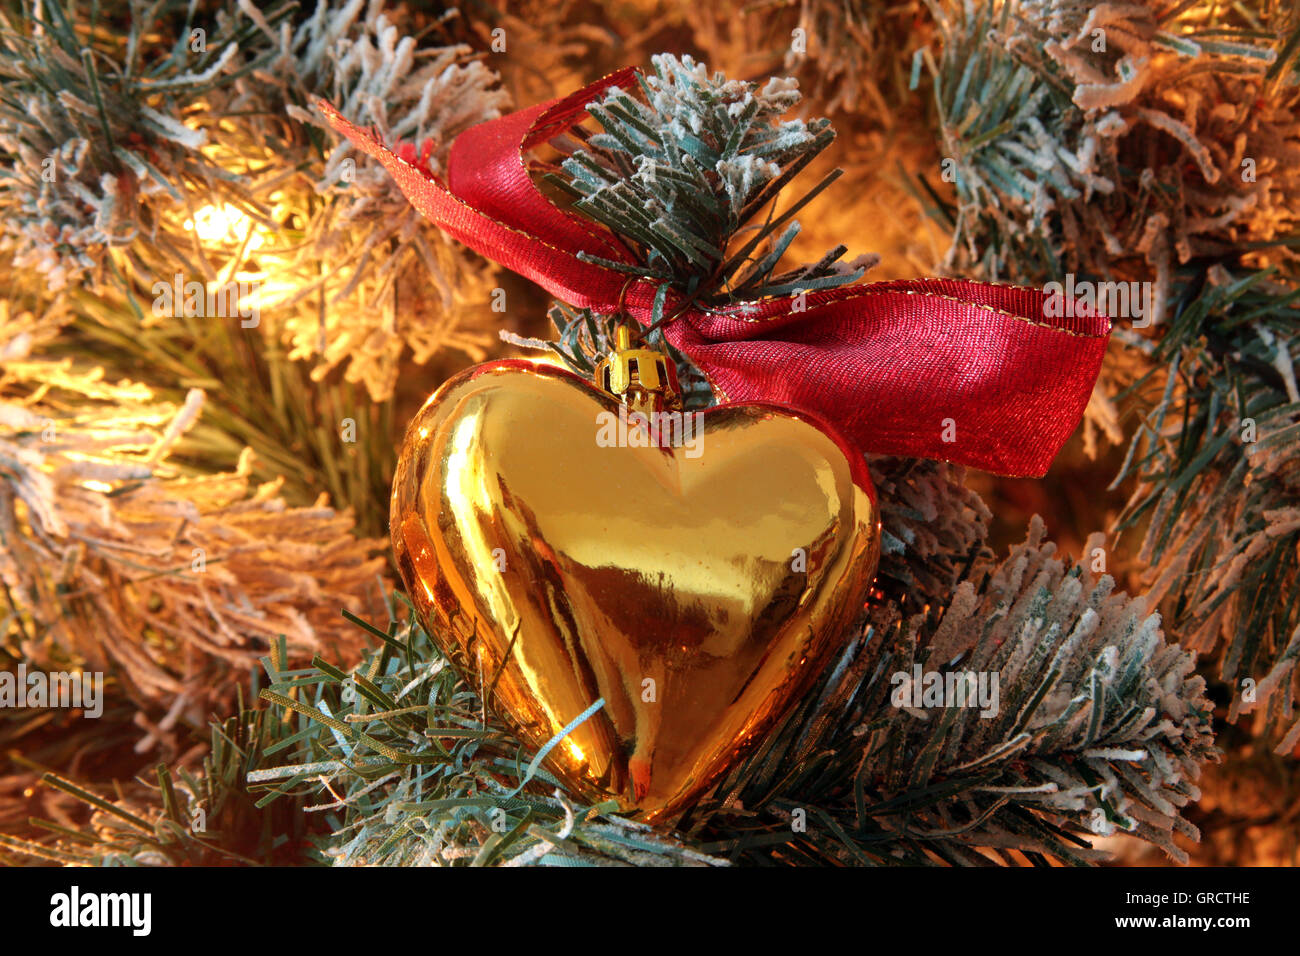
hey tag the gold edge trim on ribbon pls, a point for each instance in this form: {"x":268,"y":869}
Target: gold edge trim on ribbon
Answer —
{"x":865,"y":290}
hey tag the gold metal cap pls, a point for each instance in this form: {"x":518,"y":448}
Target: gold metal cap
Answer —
{"x":644,"y":379}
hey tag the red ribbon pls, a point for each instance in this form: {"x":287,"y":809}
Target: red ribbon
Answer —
{"x":976,"y":373}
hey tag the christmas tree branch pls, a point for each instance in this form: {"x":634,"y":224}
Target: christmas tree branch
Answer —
{"x":116,"y":559}
{"x":1093,"y":724}
{"x":682,"y":173}
{"x":1156,"y":144}
{"x":1217,"y":501}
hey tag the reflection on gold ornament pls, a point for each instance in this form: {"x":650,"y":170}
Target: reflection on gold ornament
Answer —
{"x":697,"y":594}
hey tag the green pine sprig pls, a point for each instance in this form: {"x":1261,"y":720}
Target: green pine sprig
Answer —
{"x":688,"y":175}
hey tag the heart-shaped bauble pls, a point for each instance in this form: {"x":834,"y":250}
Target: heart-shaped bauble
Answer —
{"x":697,"y":586}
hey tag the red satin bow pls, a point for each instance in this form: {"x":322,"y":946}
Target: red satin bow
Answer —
{"x":928,"y":368}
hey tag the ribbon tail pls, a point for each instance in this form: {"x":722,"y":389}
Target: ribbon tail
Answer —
{"x":491,"y":205}
{"x":974,"y":373}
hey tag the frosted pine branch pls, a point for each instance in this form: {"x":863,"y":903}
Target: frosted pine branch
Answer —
{"x":1100,"y":723}
{"x":98,"y":157}
{"x":1094,"y":724}
{"x":933,"y":527}
{"x":367,"y":280}
{"x":1217,"y":495}
{"x":1082,"y":88}
{"x":119,"y":559}
{"x":680,"y":171}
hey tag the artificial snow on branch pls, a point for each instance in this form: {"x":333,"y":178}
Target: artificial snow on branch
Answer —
{"x":116,"y":558}
{"x":1096,"y":723}
{"x":1071,"y":126}
{"x":372,"y":280}
{"x":1217,"y":497}
{"x":681,"y":172}
{"x":98,"y":135}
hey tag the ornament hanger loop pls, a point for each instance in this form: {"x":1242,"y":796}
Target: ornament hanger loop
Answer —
{"x":620,"y":309}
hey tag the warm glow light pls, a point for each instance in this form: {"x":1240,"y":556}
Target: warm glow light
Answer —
{"x":225,"y":224}
{"x":575,"y":751}
{"x":94,"y":484}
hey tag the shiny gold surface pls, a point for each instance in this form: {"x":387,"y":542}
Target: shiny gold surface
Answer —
{"x":664,"y":580}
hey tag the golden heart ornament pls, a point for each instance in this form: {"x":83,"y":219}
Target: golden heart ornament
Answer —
{"x":695,"y":577}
